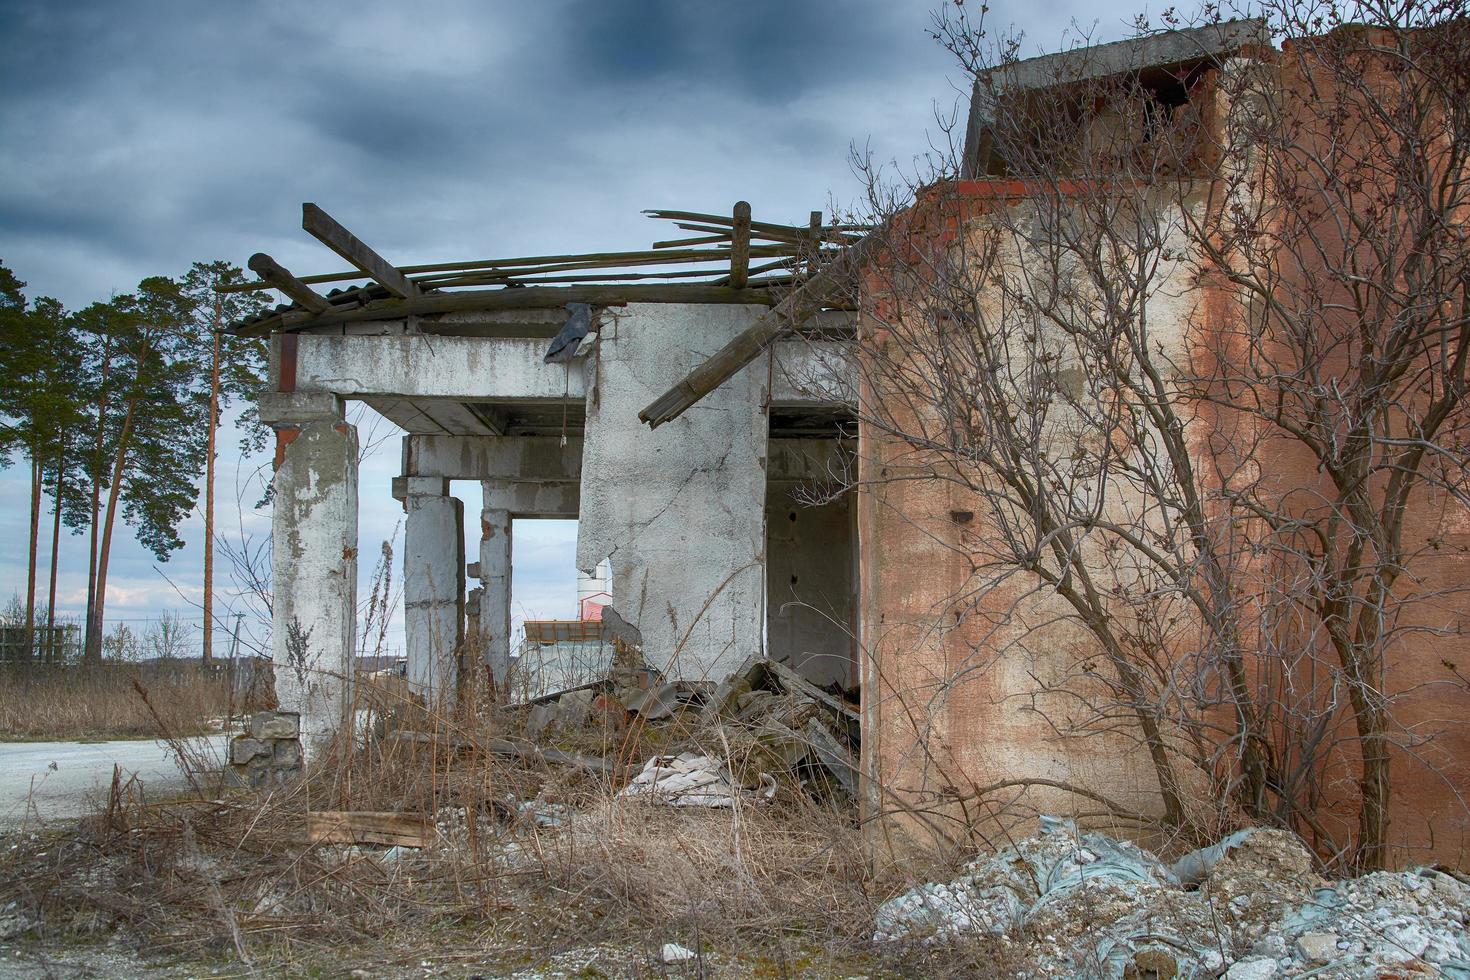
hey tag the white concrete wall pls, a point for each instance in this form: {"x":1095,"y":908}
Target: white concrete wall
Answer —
{"x":680,"y":509}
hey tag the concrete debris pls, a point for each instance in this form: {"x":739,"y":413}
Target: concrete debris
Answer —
{"x":999,"y":894}
{"x":673,"y":953}
{"x":1248,"y":908}
{"x":1383,"y":923}
{"x":689,"y":779}
{"x":782,"y":722}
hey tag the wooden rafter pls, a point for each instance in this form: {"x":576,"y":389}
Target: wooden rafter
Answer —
{"x":276,"y":276}
{"x":740,"y":246}
{"x":326,"y":230}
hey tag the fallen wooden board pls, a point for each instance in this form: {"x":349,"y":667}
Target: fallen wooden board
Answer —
{"x":368,"y":827}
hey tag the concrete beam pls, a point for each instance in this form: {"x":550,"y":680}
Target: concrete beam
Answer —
{"x":418,"y":366}
{"x":536,"y":458}
{"x":543,"y":459}
{"x":472,"y":369}
{"x":289,"y":409}
{"x":525,"y":498}
{"x":812,"y":373}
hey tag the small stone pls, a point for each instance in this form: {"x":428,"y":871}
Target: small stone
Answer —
{"x":1252,"y":968}
{"x":674,"y":953}
{"x":275,"y":724}
{"x":287,"y":753}
{"x":1317,"y":947}
{"x":243,"y":748}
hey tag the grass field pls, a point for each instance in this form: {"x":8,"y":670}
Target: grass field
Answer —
{"x":113,"y":701}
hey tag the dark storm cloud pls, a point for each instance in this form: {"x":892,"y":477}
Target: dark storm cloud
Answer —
{"x":137,"y":136}
{"x":146,"y":135}
{"x":767,"y":49}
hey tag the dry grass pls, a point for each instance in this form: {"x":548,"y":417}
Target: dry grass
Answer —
{"x":76,"y":702}
{"x":779,"y":889}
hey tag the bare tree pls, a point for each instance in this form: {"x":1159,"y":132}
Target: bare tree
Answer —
{"x":1165,"y":279}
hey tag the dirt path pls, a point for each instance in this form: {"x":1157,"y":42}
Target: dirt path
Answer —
{"x":61,"y":780}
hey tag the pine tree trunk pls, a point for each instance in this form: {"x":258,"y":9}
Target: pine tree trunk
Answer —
{"x":209,"y":494}
{"x":114,"y":492}
{"x":92,"y":648}
{"x":55,"y":550}
{"x":35,"y":548}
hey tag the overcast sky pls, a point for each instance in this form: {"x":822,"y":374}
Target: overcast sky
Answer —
{"x":136,"y":138}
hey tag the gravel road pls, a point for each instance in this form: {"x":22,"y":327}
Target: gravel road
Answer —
{"x":62,"y":780}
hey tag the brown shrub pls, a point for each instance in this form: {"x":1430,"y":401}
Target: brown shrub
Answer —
{"x":102,"y":702}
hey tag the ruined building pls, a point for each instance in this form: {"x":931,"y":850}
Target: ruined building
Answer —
{"x":726,"y":444}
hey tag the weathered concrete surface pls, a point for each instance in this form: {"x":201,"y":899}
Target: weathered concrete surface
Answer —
{"x":495,"y":544}
{"x":510,"y":368}
{"x":1100,"y":61}
{"x":314,"y":567}
{"x":433,"y":586}
{"x":493,"y":457}
{"x":506,"y":368}
{"x":534,"y":498}
{"x":539,"y":459}
{"x":679,"y":509}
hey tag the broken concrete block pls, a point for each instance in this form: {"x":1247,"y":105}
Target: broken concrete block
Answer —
{"x":674,"y":953}
{"x":243,"y":748}
{"x":275,"y":724}
{"x":656,"y":702}
{"x":286,"y":753}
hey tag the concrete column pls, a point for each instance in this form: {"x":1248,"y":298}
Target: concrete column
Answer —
{"x":433,"y":586}
{"x":495,"y":585}
{"x":313,"y":561}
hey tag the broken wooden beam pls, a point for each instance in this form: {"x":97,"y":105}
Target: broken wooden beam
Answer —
{"x":740,"y":246}
{"x":279,"y":277}
{"x":326,"y":230}
{"x":526,"y":298}
{"x":369,"y":827}
{"x":796,"y":308}
{"x":536,"y":753}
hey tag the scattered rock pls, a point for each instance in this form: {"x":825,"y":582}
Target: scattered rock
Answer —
{"x":1252,"y":968}
{"x":1094,"y":906}
{"x":674,"y":953}
{"x":1316,"y":947}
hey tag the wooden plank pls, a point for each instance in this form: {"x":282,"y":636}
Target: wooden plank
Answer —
{"x":528,"y":298}
{"x":534,"y":264}
{"x":326,"y":230}
{"x":369,"y":827}
{"x":277,"y":276}
{"x":740,"y":246}
{"x":536,"y":753}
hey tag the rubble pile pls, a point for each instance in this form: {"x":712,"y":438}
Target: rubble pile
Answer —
{"x":767,"y":721}
{"x":1385,"y":923}
{"x":1085,"y":904}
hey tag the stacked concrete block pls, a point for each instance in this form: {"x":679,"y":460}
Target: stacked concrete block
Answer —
{"x":268,"y":754}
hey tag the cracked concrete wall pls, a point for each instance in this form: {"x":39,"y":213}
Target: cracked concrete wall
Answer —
{"x":314,"y":564}
{"x":680,"y":509}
